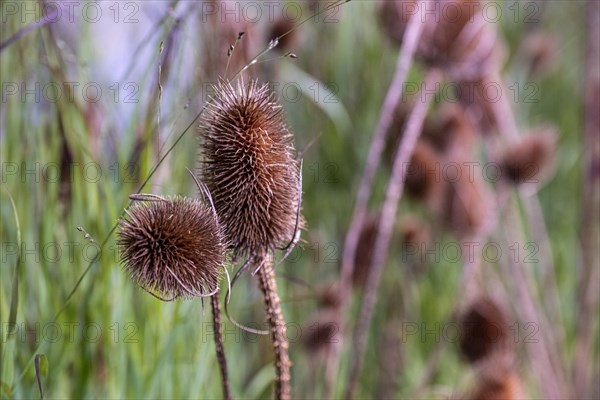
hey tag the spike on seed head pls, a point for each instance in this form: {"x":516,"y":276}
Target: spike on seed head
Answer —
{"x":249,"y":167}
{"x":173,"y":246}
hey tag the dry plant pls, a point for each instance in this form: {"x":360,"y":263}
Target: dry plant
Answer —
{"x":250,"y":168}
{"x":174,"y":247}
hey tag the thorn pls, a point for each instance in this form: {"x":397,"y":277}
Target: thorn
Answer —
{"x":240,"y":35}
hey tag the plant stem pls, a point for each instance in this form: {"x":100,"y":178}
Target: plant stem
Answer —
{"x":268,"y":286}
{"x":392,"y":99}
{"x":218,"y":332}
{"x":393,"y":194}
{"x":587,"y":299}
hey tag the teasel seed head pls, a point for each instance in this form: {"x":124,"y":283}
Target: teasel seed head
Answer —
{"x":172,"y":246}
{"x":321,"y":332}
{"x":364,"y":250}
{"x":455,"y":38}
{"x":249,"y":167}
{"x":530,"y":158}
{"x":423,"y":181}
{"x":485,"y":332}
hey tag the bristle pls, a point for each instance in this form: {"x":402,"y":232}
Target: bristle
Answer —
{"x":528,"y":160}
{"x":485,"y":330}
{"x":173,"y":247}
{"x":249,"y":167}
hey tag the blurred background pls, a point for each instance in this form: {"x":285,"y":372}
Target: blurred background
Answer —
{"x":94,"y":94}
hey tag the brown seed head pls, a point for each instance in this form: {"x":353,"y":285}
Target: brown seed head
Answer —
{"x":530,"y":158}
{"x":422,"y":180}
{"x":484,"y":331}
{"x":321,"y":333}
{"x":249,"y":167}
{"x":173,"y":247}
{"x":455,"y":38}
{"x":364,"y":250}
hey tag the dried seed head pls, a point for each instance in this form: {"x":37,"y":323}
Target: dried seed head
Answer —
{"x":529,"y":159}
{"x":364,"y":250}
{"x":249,"y":167}
{"x":451,"y":129}
{"x":541,"y":49}
{"x":321,"y":333}
{"x":414,"y":240}
{"x":497,"y":379}
{"x":329,"y":295}
{"x":281,"y":27}
{"x":485,"y":331}
{"x":455,"y":38}
{"x":465,"y":204}
{"x":172,"y":247}
{"x":422,"y":180}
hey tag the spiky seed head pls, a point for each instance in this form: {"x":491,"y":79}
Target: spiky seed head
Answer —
{"x":173,"y":247}
{"x":529,"y":159}
{"x":249,"y":167}
{"x":484,"y":331}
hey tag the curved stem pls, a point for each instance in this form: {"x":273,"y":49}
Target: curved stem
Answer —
{"x":393,"y":194}
{"x":218,"y":332}
{"x":268,"y":286}
{"x":392,"y":99}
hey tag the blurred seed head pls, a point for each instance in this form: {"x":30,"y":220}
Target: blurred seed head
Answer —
{"x":321,"y":333}
{"x":329,"y":295}
{"x":530,"y":158}
{"x":422,"y":181}
{"x":280,"y":27}
{"x":415,"y":238}
{"x":465,"y":203}
{"x":484,"y":331}
{"x":364,"y":250}
{"x":497,"y":379}
{"x":541,"y":50}
{"x":249,"y":167}
{"x":451,"y":129}
{"x":173,"y":247}
{"x":456,"y":38}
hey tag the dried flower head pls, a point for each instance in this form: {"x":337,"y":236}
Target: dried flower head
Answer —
{"x":451,"y":129}
{"x":541,"y":49}
{"x":249,"y":167}
{"x":466,"y":203}
{"x":172,"y":246}
{"x":321,"y":332}
{"x":528,"y":160}
{"x":364,"y":250}
{"x":456,"y":38}
{"x":485,"y":331}
{"x":422,"y":180}
{"x":280,"y":27}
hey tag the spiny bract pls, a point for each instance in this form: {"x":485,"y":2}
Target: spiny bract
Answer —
{"x":172,"y":246}
{"x":249,"y":167}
